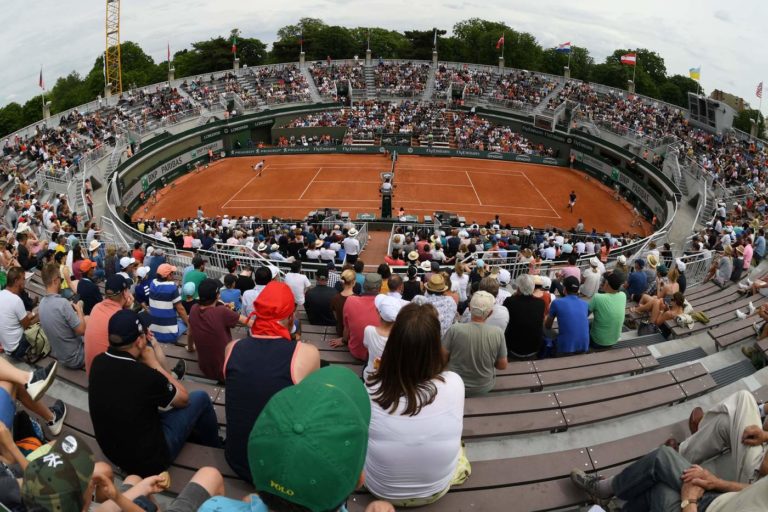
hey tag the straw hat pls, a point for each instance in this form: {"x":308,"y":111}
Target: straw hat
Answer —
{"x":652,"y":260}
{"x":426,"y":266}
{"x":436,"y":284}
{"x":413,"y":255}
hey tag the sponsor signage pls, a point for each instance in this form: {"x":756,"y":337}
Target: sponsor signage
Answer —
{"x":166,"y":168}
{"x":211,"y":135}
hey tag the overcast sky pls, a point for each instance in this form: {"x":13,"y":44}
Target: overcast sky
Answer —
{"x":725,"y":38}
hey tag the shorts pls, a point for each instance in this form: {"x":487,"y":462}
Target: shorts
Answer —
{"x":189,"y":499}
{"x":7,"y":408}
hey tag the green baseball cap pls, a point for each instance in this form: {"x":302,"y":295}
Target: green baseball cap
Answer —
{"x":57,"y":480}
{"x":308,"y":445}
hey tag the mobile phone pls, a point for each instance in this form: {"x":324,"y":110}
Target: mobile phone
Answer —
{"x":75,"y":298}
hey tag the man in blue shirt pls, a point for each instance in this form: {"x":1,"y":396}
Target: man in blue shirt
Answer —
{"x":169,"y":318}
{"x":759,"y":252}
{"x":637,"y":283}
{"x":572,"y":322}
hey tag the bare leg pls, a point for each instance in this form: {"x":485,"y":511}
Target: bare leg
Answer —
{"x":210,"y":479}
{"x":38,"y":407}
{"x":10,"y":373}
{"x":656,"y":311}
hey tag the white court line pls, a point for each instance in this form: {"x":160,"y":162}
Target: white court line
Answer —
{"x":542,"y":196}
{"x":461,"y":210}
{"x":243,"y":187}
{"x":257,"y":201}
{"x":310,"y":182}
{"x":473,"y":188}
{"x":345,"y":181}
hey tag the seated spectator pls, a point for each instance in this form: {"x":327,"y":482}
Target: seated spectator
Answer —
{"x":28,"y":388}
{"x":375,"y":336}
{"x":230,"y":294}
{"x":414,"y":398}
{"x":129,"y":391}
{"x":590,"y":278}
{"x":210,"y":329}
{"x":475,"y":349}
{"x":62,"y":321}
{"x":608,"y":311}
{"x":662,"y":311}
{"x":445,"y":305}
{"x":259,"y":365}
{"x":88,"y":290}
{"x":318,"y":299}
{"x":395,"y":285}
{"x":524,"y":335}
{"x":96,"y":339}
{"x":359,"y":313}
{"x":572,"y":320}
{"x":666,"y":286}
{"x":317,"y":479}
{"x":188,"y":297}
{"x":262,"y":276}
{"x":169,"y":318}
{"x":14,"y":318}
{"x":500,"y":316}
{"x":348,"y":283}
{"x":141,"y":290}
{"x":76,"y":482}
{"x":413,"y":285}
{"x":637,"y":282}
{"x":298,"y":282}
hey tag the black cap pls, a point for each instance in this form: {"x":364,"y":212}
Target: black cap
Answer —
{"x":571,"y":284}
{"x":124,"y":328}
{"x":321,"y":273}
{"x":615,"y":279}
{"x":208,"y":290}
{"x":115,"y":284}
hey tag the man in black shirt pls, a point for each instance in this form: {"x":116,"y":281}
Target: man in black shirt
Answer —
{"x":141,"y":414}
{"x":86,"y":288}
{"x":525,"y":333}
{"x":25,"y":260}
{"x":317,"y":300}
{"x":245,"y":280}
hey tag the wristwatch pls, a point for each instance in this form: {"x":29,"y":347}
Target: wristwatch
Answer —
{"x":685,"y":503}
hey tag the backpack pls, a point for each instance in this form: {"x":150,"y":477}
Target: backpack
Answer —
{"x":39,"y":347}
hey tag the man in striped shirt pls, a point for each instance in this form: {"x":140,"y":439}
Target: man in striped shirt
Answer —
{"x":169,"y":319}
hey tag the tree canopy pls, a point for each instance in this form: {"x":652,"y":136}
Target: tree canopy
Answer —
{"x":473,"y":41}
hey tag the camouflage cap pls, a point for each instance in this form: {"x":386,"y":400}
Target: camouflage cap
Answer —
{"x":57,"y":481}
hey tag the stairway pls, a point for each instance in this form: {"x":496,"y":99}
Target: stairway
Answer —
{"x":553,"y":94}
{"x":370,"y":83}
{"x":376,"y":249}
{"x":429,"y":89}
{"x":314,"y":94}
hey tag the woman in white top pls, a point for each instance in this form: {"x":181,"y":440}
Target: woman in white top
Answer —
{"x":460,"y":280}
{"x":417,"y":408}
{"x":375,"y":336}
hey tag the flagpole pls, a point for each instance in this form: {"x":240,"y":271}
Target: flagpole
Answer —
{"x":42,"y":84}
{"x":503,"y":44}
{"x":634,"y":69}
{"x":569,"y":57}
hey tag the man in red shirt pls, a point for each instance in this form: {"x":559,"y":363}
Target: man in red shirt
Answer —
{"x":359,"y":313}
{"x":138,"y":253}
{"x":210,"y":324}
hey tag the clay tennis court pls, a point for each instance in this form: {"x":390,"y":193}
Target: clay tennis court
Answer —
{"x":293,"y":185}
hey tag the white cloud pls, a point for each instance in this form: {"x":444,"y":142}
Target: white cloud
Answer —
{"x":69,"y":36}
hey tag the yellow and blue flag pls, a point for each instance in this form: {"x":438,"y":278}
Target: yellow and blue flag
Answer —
{"x":695,"y":73}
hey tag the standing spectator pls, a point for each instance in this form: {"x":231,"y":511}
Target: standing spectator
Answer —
{"x":608,"y":309}
{"x":444,"y":304}
{"x":129,"y":391}
{"x":360,"y":312}
{"x":197,"y":274}
{"x":475,"y":349}
{"x":154,"y":262}
{"x":572,"y":319}
{"x":62,"y":321}
{"x":375,"y":336}
{"x":524,"y":332}
{"x":169,"y":319}
{"x":138,"y":253}
{"x":259,"y":365}
{"x":414,"y":397}
{"x":460,"y":281}
{"x":348,"y":282}
{"x":317,"y":301}
{"x":351,"y":246}
{"x":14,"y":319}
{"x":96,"y":255}
{"x":88,"y":290}
{"x":747,"y":254}
{"x":298,"y":282}
{"x":210,"y":329}
{"x":141,"y":290}
{"x":759,"y":249}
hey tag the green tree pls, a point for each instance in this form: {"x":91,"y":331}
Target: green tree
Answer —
{"x":11,"y":118}
{"x":675,"y":90}
{"x":69,"y":92}
{"x":522,"y":51}
{"x":216,"y":55}
{"x":478,"y":40}
{"x":287,"y":46}
{"x":32,"y":111}
{"x":743,"y":121}
{"x":421,"y":42}
{"x":138,"y":68}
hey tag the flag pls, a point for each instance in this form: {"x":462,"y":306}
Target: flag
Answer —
{"x":234,"y":44}
{"x":630,"y":59}
{"x":695,"y":73}
{"x":759,"y":90}
{"x":500,"y":42}
{"x":40,"y":82}
{"x":564,"y":48}
{"x":434,"y":44}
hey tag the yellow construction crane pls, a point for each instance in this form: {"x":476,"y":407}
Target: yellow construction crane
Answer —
{"x":113,"y":71}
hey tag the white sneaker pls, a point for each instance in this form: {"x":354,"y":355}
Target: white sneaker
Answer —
{"x":743,"y":286}
{"x":749,"y":281}
{"x":752,"y":309}
{"x":40,"y":380}
{"x":740,"y":315}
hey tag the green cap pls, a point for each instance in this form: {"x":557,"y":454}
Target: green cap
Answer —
{"x":57,"y":481}
{"x":308,"y":445}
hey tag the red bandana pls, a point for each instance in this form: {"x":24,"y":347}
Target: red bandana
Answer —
{"x":273,"y":304}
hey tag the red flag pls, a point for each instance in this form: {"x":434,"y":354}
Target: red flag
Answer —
{"x":759,"y":90}
{"x":40,"y":82}
{"x":500,"y":42}
{"x":630,"y":59}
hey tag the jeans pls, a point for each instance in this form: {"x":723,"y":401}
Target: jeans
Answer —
{"x":653,"y":483}
{"x":196,"y":422}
